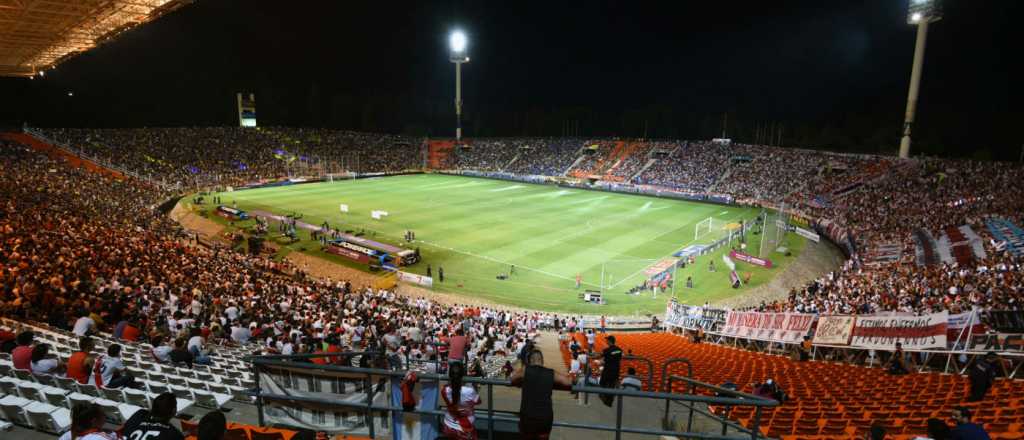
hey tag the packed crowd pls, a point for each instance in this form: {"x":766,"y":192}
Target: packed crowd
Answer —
{"x":201,"y":157}
{"x":488,"y":155}
{"x":84,"y":253}
{"x":694,"y":166}
{"x":548,"y":157}
{"x":930,"y":195}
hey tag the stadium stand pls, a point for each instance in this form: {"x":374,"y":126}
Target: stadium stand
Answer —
{"x":824,"y":399}
{"x":113,"y":244}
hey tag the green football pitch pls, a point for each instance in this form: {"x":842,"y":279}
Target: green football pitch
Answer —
{"x":477,"y":229}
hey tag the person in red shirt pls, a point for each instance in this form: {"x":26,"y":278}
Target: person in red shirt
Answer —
{"x":22,"y":355}
{"x":80,"y":362}
{"x":131,"y":333}
{"x":457,"y":347}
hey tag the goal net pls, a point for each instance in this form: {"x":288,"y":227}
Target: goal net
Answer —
{"x":706,"y":227}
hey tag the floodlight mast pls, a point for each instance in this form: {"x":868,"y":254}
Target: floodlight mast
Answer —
{"x":458,"y":55}
{"x":921,"y":13}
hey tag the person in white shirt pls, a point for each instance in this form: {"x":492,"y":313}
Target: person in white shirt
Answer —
{"x":110,"y":372}
{"x":631,"y":381}
{"x":41,"y":363}
{"x":240,"y":333}
{"x":161,"y":350}
{"x":83,"y":326}
{"x":196,"y":346}
{"x":459,"y":416}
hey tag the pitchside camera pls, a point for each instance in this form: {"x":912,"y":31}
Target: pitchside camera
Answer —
{"x":930,"y":10}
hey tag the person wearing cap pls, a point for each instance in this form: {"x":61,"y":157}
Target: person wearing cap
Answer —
{"x":612,"y":358}
{"x":982,"y":374}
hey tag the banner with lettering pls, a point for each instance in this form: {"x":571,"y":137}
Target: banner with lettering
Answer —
{"x":775,"y":327}
{"x":914,"y":332}
{"x":808,"y":234}
{"x":691,"y":317}
{"x":747,"y":258}
{"x":834,"y":329}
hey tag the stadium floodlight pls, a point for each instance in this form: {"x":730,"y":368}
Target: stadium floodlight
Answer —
{"x":458,"y":42}
{"x":920,"y":14}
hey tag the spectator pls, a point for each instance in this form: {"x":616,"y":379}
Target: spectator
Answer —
{"x":154,"y":424}
{"x":459,"y":417}
{"x":212,"y":426}
{"x":81,"y":361}
{"x":536,"y":413}
{"x":87,"y":420}
{"x":21,"y":357}
{"x":612,"y":359}
{"x":631,"y":380}
{"x":110,"y":372}
{"x":42,"y":363}
{"x":965,"y":429}
{"x":983,"y":374}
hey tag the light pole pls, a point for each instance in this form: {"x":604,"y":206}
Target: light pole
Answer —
{"x":921,"y":13}
{"x":458,"y":55}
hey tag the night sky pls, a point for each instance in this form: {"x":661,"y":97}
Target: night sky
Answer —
{"x":832,"y":74}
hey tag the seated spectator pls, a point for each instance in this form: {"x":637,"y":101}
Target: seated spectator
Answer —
{"x":110,"y":372}
{"x":965,"y":429}
{"x":87,"y":420}
{"x":161,"y":351}
{"x":21,"y":357}
{"x":212,"y":426}
{"x":154,"y":423}
{"x":631,"y":381}
{"x":179,"y":354}
{"x":81,"y":361}
{"x":42,"y":362}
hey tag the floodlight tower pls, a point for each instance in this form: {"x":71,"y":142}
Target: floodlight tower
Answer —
{"x":921,"y":13}
{"x":457,"y":43}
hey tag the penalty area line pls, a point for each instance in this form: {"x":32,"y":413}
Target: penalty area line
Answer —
{"x":495,"y":260}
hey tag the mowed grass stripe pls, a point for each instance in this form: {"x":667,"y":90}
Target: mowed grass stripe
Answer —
{"x":475,"y":228}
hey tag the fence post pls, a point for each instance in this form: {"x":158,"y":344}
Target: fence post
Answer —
{"x":259,"y":391}
{"x":755,"y":429}
{"x":369,"y":403}
{"x":618,"y":417}
{"x":490,"y":411}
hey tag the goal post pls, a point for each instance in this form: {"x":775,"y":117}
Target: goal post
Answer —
{"x":703,"y":227}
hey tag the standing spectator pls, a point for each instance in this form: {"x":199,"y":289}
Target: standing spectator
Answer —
{"x":459,"y":418}
{"x":965,"y":429}
{"x":612,"y":358}
{"x":536,"y":413}
{"x":982,"y":374}
{"x":457,"y":347}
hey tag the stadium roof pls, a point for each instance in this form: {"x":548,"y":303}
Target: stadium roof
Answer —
{"x":37,"y":35}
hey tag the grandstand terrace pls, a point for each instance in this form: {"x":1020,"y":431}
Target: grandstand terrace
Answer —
{"x":716,"y":247}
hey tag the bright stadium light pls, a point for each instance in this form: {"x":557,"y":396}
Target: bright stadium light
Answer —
{"x":920,"y":14}
{"x":457,"y":43}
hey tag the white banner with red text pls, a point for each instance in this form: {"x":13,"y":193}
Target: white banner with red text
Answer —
{"x":914,"y":332}
{"x":776,"y":327}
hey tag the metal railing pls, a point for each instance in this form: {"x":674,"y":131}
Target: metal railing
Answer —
{"x":725,"y":397}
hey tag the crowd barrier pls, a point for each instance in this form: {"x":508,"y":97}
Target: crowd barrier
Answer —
{"x":368,"y":401}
